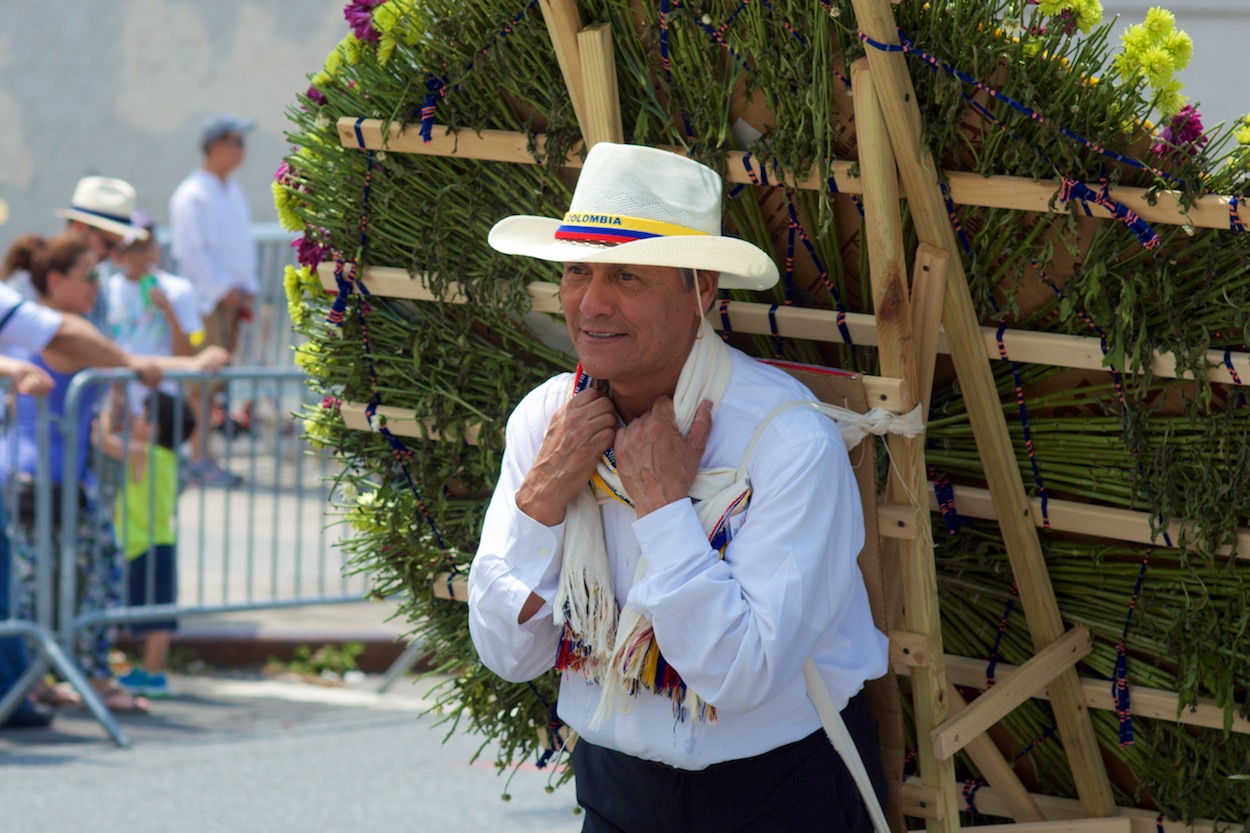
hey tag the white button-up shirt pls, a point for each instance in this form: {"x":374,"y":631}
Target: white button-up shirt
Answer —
{"x":210,"y":226}
{"x":737,"y":629}
{"x":25,"y":327}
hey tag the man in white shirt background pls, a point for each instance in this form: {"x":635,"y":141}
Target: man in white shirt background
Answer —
{"x":209,"y":222}
{"x":676,"y":532}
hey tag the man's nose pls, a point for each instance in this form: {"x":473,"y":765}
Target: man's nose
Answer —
{"x":598,"y":297}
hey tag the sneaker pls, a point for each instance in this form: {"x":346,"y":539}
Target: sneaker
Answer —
{"x":157,"y":687}
{"x":135,"y":682}
{"x":209,"y":473}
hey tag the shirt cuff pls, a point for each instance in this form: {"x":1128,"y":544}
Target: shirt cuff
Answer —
{"x":671,"y":536}
{"x":533,"y":549}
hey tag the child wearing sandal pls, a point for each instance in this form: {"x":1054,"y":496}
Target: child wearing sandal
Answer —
{"x":146,"y":525}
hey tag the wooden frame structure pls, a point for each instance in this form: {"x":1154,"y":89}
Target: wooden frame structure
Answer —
{"x":914,"y":320}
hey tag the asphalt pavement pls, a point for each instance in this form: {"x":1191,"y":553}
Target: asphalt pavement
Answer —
{"x":243,"y":752}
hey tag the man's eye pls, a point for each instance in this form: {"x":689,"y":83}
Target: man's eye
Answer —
{"x":627,"y":276}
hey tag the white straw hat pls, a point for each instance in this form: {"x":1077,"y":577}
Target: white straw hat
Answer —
{"x":105,"y":204}
{"x":642,"y":206}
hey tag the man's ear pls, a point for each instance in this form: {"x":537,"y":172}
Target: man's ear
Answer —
{"x":707,"y":280}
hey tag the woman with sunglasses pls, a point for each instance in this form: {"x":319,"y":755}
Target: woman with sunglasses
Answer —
{"x":63,"y":272}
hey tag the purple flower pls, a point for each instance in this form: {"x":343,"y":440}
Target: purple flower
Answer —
{"x":316,"y":96}
{"x":283,"y":174}
{"x":309,"y":252}
{"x":1183,"y":132}
{"x":359,"y":13}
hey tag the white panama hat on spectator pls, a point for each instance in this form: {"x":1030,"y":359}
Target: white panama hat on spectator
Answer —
{"x":642,"y":206}
{"x":106,"y":204}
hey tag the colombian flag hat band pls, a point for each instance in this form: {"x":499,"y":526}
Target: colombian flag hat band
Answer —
{"x":612,"y":229}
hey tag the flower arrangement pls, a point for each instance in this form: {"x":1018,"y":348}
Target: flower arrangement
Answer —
{"x":1036,"y":90}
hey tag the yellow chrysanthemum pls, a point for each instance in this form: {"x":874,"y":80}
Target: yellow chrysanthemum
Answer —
{"x":309,"y":280}
{"x":321,"y":80}
{"x":334,"y":61}
{"x":309,"y":358}
{"x":293,"y":286}
{"x":1136,"y":40}
{"x":285,"y":201}
{"x":1242,"y":130}
{"x":1158,"y":66}
{"x":1088,"y":14}
{"x":1181,"y":47}
{"x":1168,"y":98}
{"x":1160,"y":22}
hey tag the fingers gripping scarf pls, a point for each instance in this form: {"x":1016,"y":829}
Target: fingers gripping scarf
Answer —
{"x":619,"y":651}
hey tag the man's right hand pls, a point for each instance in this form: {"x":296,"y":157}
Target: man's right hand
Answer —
{"x":580,"y":431}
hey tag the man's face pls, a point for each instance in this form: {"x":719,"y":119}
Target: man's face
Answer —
{"x":230,"y":149}
{"x":631,"y":323}
{"x":103,"y":243}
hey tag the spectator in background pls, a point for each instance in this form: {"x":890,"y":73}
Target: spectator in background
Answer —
{"x":99,"y":214}
{"x":212,"y":243}
{"x":150,"y":312}
{"x":27,"y":328}
{"x":62,"y":270}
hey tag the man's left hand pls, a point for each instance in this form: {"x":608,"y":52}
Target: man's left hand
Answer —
{"x":656,"y":463}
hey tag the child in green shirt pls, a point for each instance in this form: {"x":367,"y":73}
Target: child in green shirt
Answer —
{"x":146,"y":525}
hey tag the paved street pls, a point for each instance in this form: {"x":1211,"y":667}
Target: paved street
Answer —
{"x":279,"y":756}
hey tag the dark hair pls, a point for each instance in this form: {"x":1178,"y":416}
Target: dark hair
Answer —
{"x":40,"y":257}
{"x":173,"y":418}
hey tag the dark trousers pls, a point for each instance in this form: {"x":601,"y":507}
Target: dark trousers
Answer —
{"x":799,"y":787}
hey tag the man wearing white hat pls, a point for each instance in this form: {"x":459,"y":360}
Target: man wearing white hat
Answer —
{"x":671,"y":535}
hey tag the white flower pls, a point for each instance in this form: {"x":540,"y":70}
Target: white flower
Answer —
{"x":349,"y":491}
{"x":323,"y":121}
{"x":707,"y":20}
{"x":375,"y":422}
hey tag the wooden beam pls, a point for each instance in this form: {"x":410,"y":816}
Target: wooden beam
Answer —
{"x":603,"y":99}
{"x":1051,"y":349}
{"x":1106,"y":825}
{"x":928,"y":283}
{"x":1153,"y":703}
{"x":923,"y":802}
{"x":918,"y":171}
{"x":996,"y":769}
{"x":1034,"y":676}
{"x":900,"y":522}
{"x":990,"y":803}
{"x":912,"y":561}
{"x":564,"y":21}
{"x":1084,"y":518}
{"x":909,"y":649}
{"x":970,"y":189}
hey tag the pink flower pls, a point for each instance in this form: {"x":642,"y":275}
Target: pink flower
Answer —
{"x":283,"y":174}
{"x":1183,"y":132}
{"x":316,"y":96}
{"x":359,"y":13}
{"x":309,"y":252}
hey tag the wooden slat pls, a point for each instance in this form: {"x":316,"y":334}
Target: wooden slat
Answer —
{"x":900,"y":522}
{"x":922,"y":802}
{"x":1051,"y":349}
{"x":1084,"y":518}
{"x":603,"y":102}
{"x":402,"y":422}
{"x":971,"y":189}
{"x":564,"y":21}
{"x":1035,"y":675}
{"x":909,"y":649}
{"x":447,"y":586}
{"x":1142,"y":821}
{"x":911,"y":561}
{"x":1105,"y":825}
{"x":1152,"y":703}
{"x":918,"y":172}
{"x":928,"y":284}
{"x":997,"y":770}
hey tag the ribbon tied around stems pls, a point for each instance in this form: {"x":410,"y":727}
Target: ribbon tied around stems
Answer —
{"x":1234,"y":220}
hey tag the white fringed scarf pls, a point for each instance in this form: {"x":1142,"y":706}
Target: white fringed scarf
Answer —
{"x":619,"y":651}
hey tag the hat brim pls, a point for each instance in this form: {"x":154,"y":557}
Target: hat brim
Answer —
{"x":104,"y":224}
{"x":741,"y":265}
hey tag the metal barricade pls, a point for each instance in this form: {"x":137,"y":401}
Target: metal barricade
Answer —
{"x":259,"y":543}
{"x":26,"y":584}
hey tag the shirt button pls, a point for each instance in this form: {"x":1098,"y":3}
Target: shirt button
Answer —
{"x":544,"y":552}
{"x":624,"y":709}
